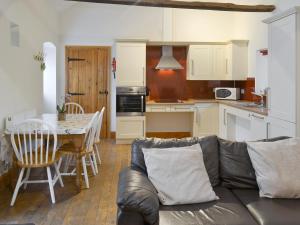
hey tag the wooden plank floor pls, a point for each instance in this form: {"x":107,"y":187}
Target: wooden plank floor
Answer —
{"x":96,"y":205}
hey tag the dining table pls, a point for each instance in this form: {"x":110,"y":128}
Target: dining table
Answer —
{"x":73,"y":129}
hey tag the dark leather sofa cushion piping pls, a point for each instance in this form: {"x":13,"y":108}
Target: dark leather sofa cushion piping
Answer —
{"x":270,"y":211}
{"x":137,"y":194}
{"x":236,"y":169}
{"x":227,"y":210}
{"x":208,"y":144}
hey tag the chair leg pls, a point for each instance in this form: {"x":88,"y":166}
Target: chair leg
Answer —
{"x":67,"y":163}
{"x":18,"y":185}
{"x":85,"y":173}
{"x":26,"y":177}
{"x":50,"y":181}
{"x":95,"y":161}
{"x":92,"y":164}
{"x":98,"y":153}
{"x":58,"y":175}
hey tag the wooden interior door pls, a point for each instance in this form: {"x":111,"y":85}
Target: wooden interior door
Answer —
{"x":87,"y":73}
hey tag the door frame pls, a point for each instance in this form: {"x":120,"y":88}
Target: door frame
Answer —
{"x":108,"y":80}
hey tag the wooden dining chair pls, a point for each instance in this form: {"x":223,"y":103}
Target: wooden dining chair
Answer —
{"x":74,"y":108}
{"x":97,"y":137}
{"x":71,"y":108}
{"x":87,"y":151}
{"x":34,"y":143}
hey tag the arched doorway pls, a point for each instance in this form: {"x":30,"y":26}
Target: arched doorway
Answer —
{"x":49,"y":79}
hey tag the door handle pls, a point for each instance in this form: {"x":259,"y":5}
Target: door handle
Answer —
{"x":75,"y":93}
{"x":103,"y":92}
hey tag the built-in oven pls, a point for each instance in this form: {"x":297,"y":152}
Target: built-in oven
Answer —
{"x":131,"y":101}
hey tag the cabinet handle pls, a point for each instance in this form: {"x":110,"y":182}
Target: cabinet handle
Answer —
{"x":226,"y":66}
{"x":192,"y":67}
{"x":143,"y":75}
{"x":268,"y":136}
{"x":198,"y":116}
{"x":224,"y":117}
{"x":258,"y":117}
{"x":142,"y":103}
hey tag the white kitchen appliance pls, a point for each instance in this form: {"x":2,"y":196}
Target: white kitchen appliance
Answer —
{"x":227,"y":93}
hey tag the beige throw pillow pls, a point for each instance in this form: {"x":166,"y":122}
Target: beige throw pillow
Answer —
{"x":277,"y":167}
{"x":179,"y":175}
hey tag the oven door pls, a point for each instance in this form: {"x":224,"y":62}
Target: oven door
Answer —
{"x":131,"y":105}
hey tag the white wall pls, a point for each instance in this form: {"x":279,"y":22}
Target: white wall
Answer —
{"x":97,"y":24}
{"x":21,"y":80}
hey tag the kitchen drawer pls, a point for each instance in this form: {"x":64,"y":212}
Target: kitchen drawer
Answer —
{"x":182,"y":108}
{"x":158,"y":108}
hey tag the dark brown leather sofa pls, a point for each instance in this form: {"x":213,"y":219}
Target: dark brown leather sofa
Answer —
{"x":232,"y":176}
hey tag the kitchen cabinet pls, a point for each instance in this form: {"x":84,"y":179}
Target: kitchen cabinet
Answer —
{"x":277,"y":127}
{"x":223,"y":121}
{"x":236,"y":59}
{"x":241,"y":125}
{"x":282,"y":69}
{"x":129,"y":128}
{"x":131,"y":64}
{"x":222,"y":61}
{"x":206,"y":119}
{"x":259,"y":127}
{"x":200,"y":62}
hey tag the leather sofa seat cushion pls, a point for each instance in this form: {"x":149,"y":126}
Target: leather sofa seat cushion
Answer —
{"x":227,"y":210}
{"x":209,"y":145}
{"x":270,"y":211}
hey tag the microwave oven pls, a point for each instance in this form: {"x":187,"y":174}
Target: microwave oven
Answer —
{"x":227,"y":93}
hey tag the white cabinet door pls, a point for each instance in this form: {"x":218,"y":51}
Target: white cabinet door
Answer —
{"x":220,"y":67}
{"x":278,"y":128}
{"x":130,"y":127}
{"x":200,"y":62}
{"x":222,"y":121}
{"x":236,"y":60}
{"x":131,"y":64}
{"x":282,"y":69}
{"x":258,"y":127}
{"x":206,"y":120}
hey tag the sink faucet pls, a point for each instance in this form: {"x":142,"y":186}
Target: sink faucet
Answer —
{"x":262,"y":94}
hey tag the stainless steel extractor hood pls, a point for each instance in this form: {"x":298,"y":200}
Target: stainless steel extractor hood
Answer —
{"x":167,"y":61}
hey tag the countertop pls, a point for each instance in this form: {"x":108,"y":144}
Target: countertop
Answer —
{"x":236,"y":104}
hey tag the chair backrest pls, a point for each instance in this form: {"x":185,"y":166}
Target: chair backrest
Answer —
{"x":99,"y":125}
{"x":74,"y":108}
{"x":34,"y":142}
{"x":90,"y":134}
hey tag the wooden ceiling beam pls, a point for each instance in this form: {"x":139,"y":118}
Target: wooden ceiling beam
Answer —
{"x":188,"y":5}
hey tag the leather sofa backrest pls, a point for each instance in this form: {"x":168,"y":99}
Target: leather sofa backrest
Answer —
{"x":236,"y":170}
{"x":209,"y":145}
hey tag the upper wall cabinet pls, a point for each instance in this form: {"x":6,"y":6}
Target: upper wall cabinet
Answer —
{"x":200,"y":62}
{"x":131,"y":64}
{"x":228,"y":61}
{"x":237,"y":60}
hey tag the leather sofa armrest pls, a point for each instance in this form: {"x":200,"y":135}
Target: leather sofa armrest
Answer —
{"x":137,"y":195}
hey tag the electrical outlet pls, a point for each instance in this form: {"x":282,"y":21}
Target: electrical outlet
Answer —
{"x":242,"y":91}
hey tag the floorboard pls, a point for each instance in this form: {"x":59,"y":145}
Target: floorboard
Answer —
{"x":90,"y":207}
